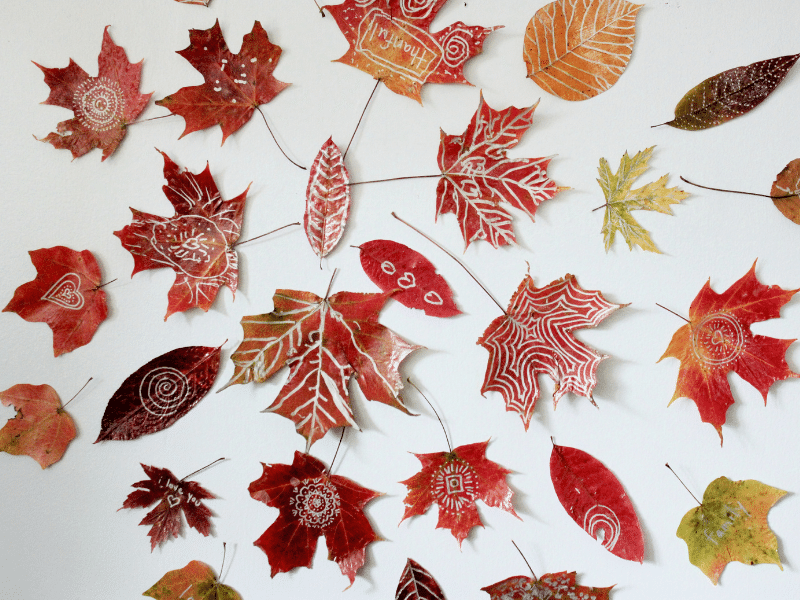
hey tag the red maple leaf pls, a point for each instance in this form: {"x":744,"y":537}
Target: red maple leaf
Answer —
{"x":549,"y":585}
{"x":235,"y":84}
{"x":391,"y":41}
{"x":197,"y":243}
{"x":313,"y":503}
{"x":174,"y":497}
{"x":103,"y":105}
{"x":535,"y":336}
{"x":477,"y":175}
{"x":455,"y":481}
{"x":65,"y":295}
{"x":325,"y":341}
{"x":718,"y":339}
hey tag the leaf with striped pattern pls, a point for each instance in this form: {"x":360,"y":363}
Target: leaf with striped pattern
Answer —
{"x":327,"y":200}
{"x":577,"y":49}
{"x":417,"y":584}
{"x":477,"y":175}
{"x":324,"y":342}
{"x":535,"y":337}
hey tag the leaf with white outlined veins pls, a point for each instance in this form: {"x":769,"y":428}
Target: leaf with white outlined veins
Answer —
{"x":327,"y":199}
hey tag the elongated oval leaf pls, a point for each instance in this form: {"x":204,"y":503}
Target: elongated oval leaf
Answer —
{"x":730,"y":94}
{"x":788,"y":182}
{"x":391,"y":265}
{"x":327,"y":199}
{"x":160,"y":393}
{"x":417,"y":584}
{"x":596,"y":500}
{"x":576,"y":49}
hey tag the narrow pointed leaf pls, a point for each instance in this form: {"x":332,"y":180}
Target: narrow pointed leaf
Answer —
{"x":327,"y":200}
{"x":417,"y":584}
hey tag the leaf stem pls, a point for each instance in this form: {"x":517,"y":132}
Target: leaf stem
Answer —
{"x":76,"y":393}
{"x":320,"y":9}
{"x":362,"y":112}
{"x":102,"y":285}
{"x":446,"y":437}
{"x":391,"y":179}
{"x":526,"y":560}
{"x":263,"y":116}
{"x":335,"y":454}
{"x":150,"y":119}
{"x":222,"y":566}
{"x":705,"y":187}
{"x":328,"y":291}
{"x":202,"y":469}
{"x":599,"y":207}
{"x":683,"y":484}
{"x":673,"y":312}
{"x":239,"y":243}
{"x":453,"y":256}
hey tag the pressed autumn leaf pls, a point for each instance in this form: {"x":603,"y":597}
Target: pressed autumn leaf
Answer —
{"x":174,"y":497}
{"x":197,"y":243}
{"x":577,"y":49}
{"x":391,"y":41}
{"x":788,"y":182}
{"x":394,"y":266}
{"x":327,"y":199}
{"x":324,"y":342}
{"x":416,"y":583}
{"x":731,"y":525}
{"x":718,"y":339}
{"x":235,"y":84}
{"x":730,"y":94}
{"x":65,"y":295}
{"x":42,"y":429}
{"x":312,"y":502}
{"x":535,"y":336}
{"x":550,"y":585}
{"x":197,"y":2}
{"x":477,"y":175}
{"x":621,"y":200}
{"x":454,"y":481}
{"x":596,"y":500}
{"x":194,"y":581}
{"x":159,"y":393}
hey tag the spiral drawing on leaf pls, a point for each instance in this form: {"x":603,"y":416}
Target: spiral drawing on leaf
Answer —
{"x":718,"y":339}
{"x":456,"y":47}
{"x":417,"y":9}
{"x":601,"y":517}
{"x":163,"y":390}
{"x":316,"y":503}
{"x":99,"y":103}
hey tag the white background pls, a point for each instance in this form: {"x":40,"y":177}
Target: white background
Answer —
{"x":62,"y":535}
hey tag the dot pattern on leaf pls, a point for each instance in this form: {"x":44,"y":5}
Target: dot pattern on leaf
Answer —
{"x":99,"y":103}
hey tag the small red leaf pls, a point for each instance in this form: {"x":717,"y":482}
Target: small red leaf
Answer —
{"x":64,"y":295}
{"x":596,"y":500}
{"x":417,"y":584}
{"x":174,"y":497}
{"x":392,"y":266}
{"x":549,"y":585}
{"x":327,"y":199}
{"x":160,"y":393}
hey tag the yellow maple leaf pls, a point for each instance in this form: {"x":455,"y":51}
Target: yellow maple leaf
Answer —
{"x":621,"y":200}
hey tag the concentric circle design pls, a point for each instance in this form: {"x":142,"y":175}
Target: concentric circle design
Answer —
{"x":454,"y":486}
{"x":718,"y":339}
{"x":163,"y":390}
{"x":99,"y":103}
{"x":601,"y":517}
{"x":456,"y":47}
{"x":316,"y":503}
{"x":417,"y":9}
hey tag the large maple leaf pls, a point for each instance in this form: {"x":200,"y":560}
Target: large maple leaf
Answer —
{"x":103,"y":105}
{"x":390,"y":40}
{"x":65,"y":295}
{"x":550,"y":585}
{"x":42,"y":429}
{"x":477,"y":175}
{"x":313,"y":503}
{"x":535,"y":336}
{"x":174,"y":497}
{"x":197,"y":243}
{"x":455,"y":481}
{"x":325,"y":341}
{"x":235,"y":84}
{"x":731,"y":524}
{"x":718,"y":339}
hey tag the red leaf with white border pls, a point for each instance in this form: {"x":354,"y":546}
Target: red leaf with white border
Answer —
{"x":596,"y":500}
{"x":549,"y":586}
{"x":455,"y":481}
{"x":535,"y":336}
{"x":327,"y":199}
{"x":160,"y":393}
{"x":312,"y":503}
{"x":197,"y":243}
{"x":174,"y":497}
{"x":64,"y":295}
{"x":417,"y":584}
{"x":394,"y":266}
